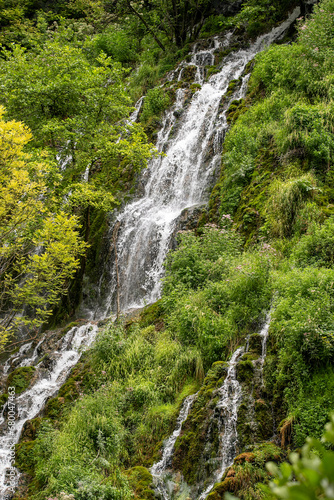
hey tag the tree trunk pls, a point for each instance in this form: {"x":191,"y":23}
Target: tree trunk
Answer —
{"x":146,"y":25}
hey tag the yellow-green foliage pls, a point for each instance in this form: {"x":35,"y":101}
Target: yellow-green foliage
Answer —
{"x":39,"y":244}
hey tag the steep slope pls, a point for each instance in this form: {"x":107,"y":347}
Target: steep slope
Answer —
{"x":265,"y":244}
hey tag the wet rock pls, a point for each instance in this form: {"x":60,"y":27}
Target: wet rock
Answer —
{"x":229,"y":8}
{"x":188,"y":220}
{"x":255,"y":343}
{"x":178,"y":112}
{"x":306,"y":6}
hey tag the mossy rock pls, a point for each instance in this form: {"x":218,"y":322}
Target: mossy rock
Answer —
{"x":189,"y":73}
{"x":140,"y":479}
{"x":244,"y":427}
{"x":219,"y":490}
{"x":250,"y":356}
{"x":232,"y":87}
{"x":245,"y":371}
{"x":249,"y":66}
{"x":3,"y":400}
{"x":20,"y":378}
{"x":236,"y":108}
{"x":255,"y":343}
{"x":152,"y":128}
{"x":194,"y":87}
{"x":244,"y":457}
{"x":30,"y":429}
{"x":152,"y":315}
{"x":264,"y":418}
{"x":192,"y":442}
{"x":54,"y":408}
{"x":25,"y":456}
{"x":212,"y":71}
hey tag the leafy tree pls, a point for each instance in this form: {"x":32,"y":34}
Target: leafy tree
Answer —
{"x":75,"y":107}
{"x":39,"y":245}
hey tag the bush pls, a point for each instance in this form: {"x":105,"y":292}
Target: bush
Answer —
{"x":286,"y":201}
{"x":118,"y":44}
{"x":155,"y":102}
{"x":316,"y":248}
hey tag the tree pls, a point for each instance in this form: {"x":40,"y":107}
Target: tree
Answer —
{"x":77,"y":108}
{"x":39,"y":243}
{"x":179,"y":20}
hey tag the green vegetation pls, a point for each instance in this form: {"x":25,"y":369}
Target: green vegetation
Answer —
{"x":312,"y":471}
{"x":72,"y":76}
{"x":141,"y":377}
{"x":247,"y":471}
{"x":31,"y":219}
{"x":20,"y":378}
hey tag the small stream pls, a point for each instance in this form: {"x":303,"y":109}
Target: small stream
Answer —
{"x":49,"y":378}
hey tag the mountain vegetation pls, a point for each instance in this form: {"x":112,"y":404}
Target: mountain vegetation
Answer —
{"x":70,"y":73}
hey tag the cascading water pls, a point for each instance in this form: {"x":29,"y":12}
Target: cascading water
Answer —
{"x":227,"y":412}
{"x":264,"y":334}
{"x":48,"y":381}
{"x":158,"y":469}
{"x":181,"y":178}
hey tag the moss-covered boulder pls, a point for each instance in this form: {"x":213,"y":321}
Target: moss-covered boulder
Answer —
{"x":219,"y":490}
{"x":189,"y":73}
{"x":248,"y":469}
{"x":245,"y":371}
{"x":140,"y":480}
{"x":199,"y":439}
{"x":20,"y":378}
{"x":255,"y":343}
{"x":264,"y":418}
{"x":30,"y":429}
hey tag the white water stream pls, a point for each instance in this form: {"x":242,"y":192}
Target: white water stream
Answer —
{"x":230,"y":398}
{"x":226,"y":415}
{"x":180,"y":179}
{"x":28,"y":404}
{"x":227,"y":406}
{"x":159,"y":468}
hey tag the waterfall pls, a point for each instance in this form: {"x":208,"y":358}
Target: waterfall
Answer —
{"x":159,"y":468}
{"x":182,"y":177}
{"x":227,"y":412}
{"x":48,"y":381}
{"x":226,"y":417}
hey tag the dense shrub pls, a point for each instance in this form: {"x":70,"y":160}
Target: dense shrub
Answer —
{"x":316,"y":248}
{"x":155,"y":102}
